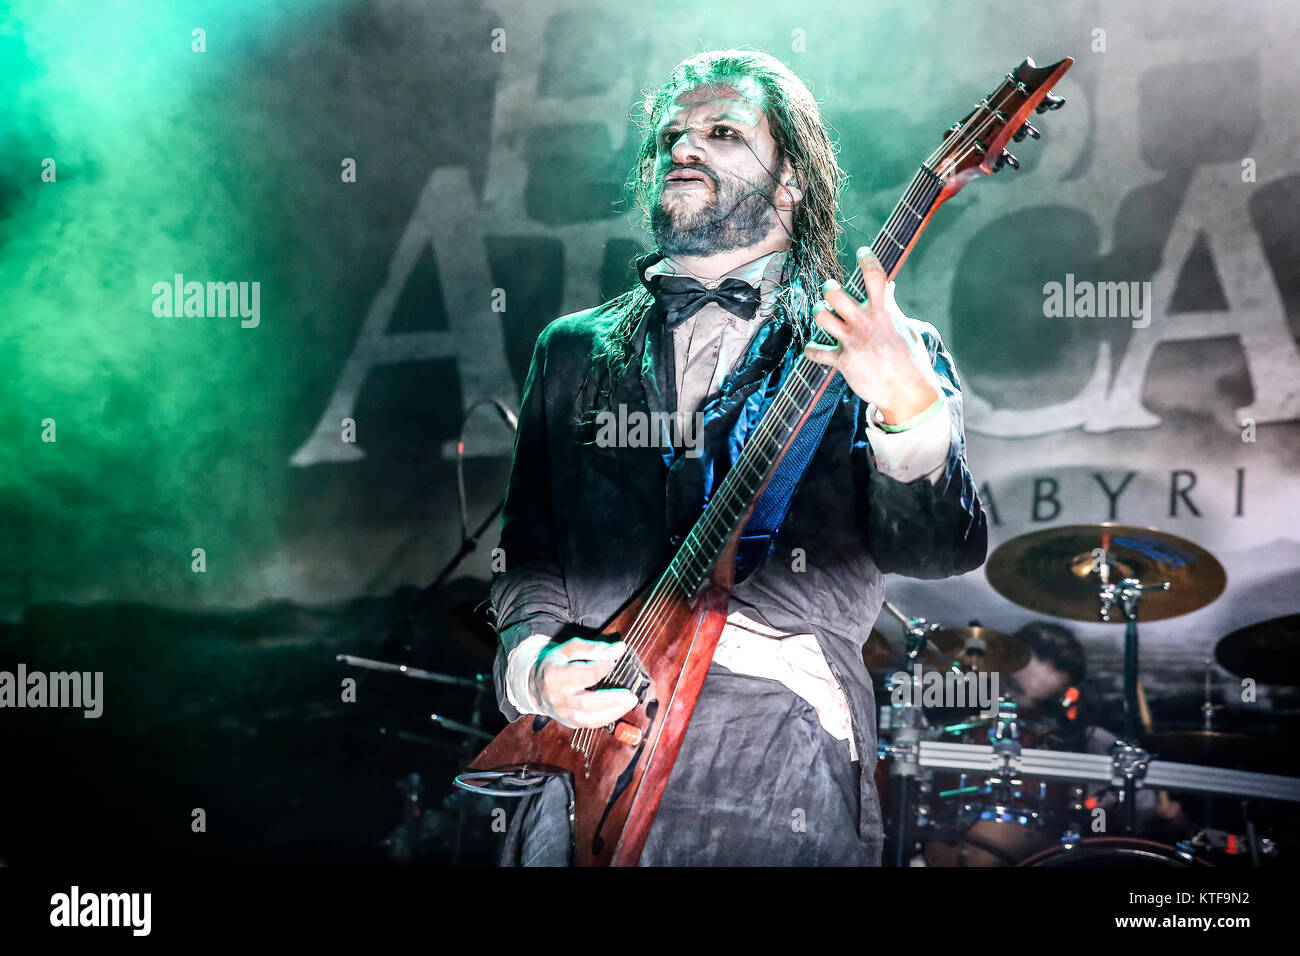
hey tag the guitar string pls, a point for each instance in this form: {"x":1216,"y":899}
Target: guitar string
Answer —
{"x":649,"y":618}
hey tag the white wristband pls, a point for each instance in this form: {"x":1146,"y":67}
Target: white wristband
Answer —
{"x":920,"y":452}
{"x":519,"y":668}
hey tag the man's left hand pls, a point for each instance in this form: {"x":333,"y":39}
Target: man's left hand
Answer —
{"x":879,"y":353}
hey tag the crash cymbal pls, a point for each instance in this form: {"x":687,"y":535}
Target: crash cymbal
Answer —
{"x":1052,"y":571}
{"x":1214,"y":749}
{"x":876,"y":653}
{"x":1268,"y":651}
{"x":976,"y":648}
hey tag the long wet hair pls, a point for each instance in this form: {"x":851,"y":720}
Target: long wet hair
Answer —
{"x":794,"y":119}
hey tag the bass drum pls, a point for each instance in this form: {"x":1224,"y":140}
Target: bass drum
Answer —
{"x":1115,"y":852}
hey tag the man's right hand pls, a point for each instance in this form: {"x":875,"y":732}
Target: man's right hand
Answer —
{"x":562,"y":674}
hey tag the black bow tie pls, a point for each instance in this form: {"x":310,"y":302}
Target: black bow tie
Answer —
{"x":680,"y":297}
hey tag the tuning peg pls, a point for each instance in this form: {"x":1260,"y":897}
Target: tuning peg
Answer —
{"x":1050,"y":102}
{"x":1026,"y":130}
{"x":1006,"y":159}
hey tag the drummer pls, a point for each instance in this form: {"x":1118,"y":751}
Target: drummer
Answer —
{"x":1046,"y":690}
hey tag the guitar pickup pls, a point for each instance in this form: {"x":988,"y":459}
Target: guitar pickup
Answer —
{"x":638,"y":682}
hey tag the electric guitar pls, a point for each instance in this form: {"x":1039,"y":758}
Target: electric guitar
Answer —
{"x":671,"y":628}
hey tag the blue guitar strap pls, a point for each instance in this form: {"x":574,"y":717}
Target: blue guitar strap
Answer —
{"x":760,"y":531}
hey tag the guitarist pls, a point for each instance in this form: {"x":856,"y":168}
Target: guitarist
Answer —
{"x":739,"y":183}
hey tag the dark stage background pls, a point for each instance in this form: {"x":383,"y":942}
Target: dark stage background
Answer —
{"x":490,"y":142}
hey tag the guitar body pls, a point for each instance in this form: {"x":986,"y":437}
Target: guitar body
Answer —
{"x":617,"y":785}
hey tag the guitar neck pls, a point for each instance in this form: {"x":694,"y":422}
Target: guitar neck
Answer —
{"x":731,"y":502}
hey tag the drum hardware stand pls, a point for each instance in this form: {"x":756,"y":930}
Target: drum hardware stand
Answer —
{"x":959,"y":729}
{"x":918,"y":634}
{"x":1129,"y":764}
{"x":1126,"y":594}
{"x":477,"y":682}
{"x":1099,"y":768}
{"x":1207,"y":706}
{"x":909,"y":725}
{"x":1221,"y":841}
{"x":469,"y":733}
{"x":1257,"y":845}
{"x":455,"y":725}
{"x":1207,"y":724}
{"x":402,"y":843}
{"x":1004,"y":737}
{"x":1005,"y":734}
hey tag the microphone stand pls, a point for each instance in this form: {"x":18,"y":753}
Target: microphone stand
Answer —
{"x":401,"y":636}
{"x":402,"y":632}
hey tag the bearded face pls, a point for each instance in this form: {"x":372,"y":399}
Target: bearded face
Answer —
{"x":714,"y":189}
{"x":716,"y":213}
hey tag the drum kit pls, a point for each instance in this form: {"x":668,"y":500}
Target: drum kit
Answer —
{"x":1000,"y":788}
{"x":433,"y":825}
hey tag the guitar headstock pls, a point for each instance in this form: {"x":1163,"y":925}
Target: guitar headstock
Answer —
{"x":977,"y":145}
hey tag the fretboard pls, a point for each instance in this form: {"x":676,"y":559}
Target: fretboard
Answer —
{"x":796,"y":397}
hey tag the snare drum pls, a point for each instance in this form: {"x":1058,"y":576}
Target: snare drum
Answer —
{"x":1115,"y":852}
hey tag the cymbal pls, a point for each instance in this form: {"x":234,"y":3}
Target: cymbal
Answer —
{"x":876,"y":653}
{"x":1268,"y":651}
{"x":975,"y":648}
{"x":1214,"y":748}
{"x":1052,"y":571}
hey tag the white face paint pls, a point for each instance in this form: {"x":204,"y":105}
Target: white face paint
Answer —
{"x":722,"y":137}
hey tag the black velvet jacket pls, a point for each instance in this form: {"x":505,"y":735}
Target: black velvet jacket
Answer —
{"x":585,"y":527}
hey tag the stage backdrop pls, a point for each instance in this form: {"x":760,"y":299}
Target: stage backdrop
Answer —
{"x":402,"y":194}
